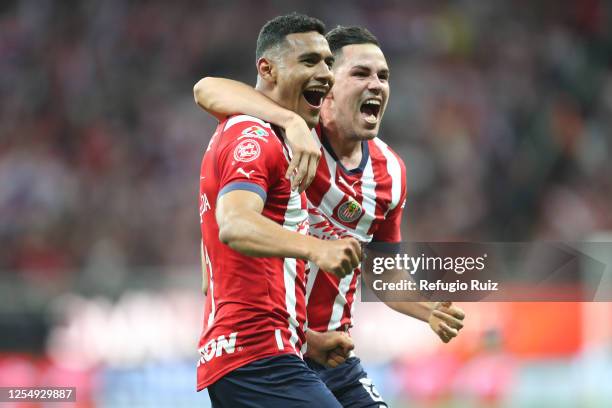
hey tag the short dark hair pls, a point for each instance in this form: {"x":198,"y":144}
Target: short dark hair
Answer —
{"x":275,"y":30}
{"x":342,"y":36}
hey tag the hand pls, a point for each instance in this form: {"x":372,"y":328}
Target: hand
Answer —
{"x":338,"y":257}
{"x":329,"y":349}
{"x":306,"y":154}
{"x":446,"y":320}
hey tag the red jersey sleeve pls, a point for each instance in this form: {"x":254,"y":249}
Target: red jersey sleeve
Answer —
{"x":250,"y":157}
{"x":390,"y":228}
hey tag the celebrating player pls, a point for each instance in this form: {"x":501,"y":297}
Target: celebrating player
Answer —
{"x":254,"y":235}
{"x":359,"y":190}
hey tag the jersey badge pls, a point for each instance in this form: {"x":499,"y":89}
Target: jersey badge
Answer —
{"x":349,"y":211}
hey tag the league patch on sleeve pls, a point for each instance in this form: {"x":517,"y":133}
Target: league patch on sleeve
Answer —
{"x":247,"y":151}
{"x":255,"y":132}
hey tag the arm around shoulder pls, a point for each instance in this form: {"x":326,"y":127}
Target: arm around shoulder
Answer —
{"x":204,"y":95}
{"x":222,"y":97}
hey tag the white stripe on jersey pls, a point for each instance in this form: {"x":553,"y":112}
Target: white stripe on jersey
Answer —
{"x":357,"y":288}
{"x":314,"y":134}
{"x":290,"y":301}
{"x":368,"y":194}
{"x":211,"y":285}
{"x":294,"y":215}
{"x":338,"y":309}
{"x":279,"y":339}
{"x":244,"y":118}
{"x":394,"y":170}
{"x":333,"y":195}
{"x":313,"y":271}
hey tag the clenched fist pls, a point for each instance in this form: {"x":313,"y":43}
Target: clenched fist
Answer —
{"x":339,"y":257}
{"x":329,"y":349}
{"x":446,"y":320}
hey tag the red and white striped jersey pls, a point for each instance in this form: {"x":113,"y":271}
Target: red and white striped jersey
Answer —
{"x":255,"y":307}
{"x":365,"y":203}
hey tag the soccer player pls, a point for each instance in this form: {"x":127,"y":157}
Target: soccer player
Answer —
{"x":254,"y":235}
{"x":358,"y":191}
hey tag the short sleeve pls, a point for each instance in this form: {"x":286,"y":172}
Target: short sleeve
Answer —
{"x":250,"y":158}
{"x":390,"y":228}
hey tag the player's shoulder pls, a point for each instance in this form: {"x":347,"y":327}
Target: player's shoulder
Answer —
{"x":381,"y":151}
{"x":248,"y":137}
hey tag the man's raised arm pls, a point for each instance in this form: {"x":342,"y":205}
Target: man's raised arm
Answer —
{"x":223,"y":97}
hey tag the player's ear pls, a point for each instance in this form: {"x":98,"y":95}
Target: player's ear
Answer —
{"x":266,"y":69}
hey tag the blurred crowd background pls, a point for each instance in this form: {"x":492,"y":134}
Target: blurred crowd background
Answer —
{"x":502,"y":112}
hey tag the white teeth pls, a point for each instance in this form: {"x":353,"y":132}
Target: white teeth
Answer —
{"x":372,"y":118}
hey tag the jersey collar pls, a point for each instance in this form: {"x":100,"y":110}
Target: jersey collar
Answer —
{"x":365,"y":153}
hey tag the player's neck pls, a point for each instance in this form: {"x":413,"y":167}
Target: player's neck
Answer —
{"x":347,"y":149}
{"x":266,"y":90}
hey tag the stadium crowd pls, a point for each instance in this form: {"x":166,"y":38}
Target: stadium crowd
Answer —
{"x":502,"y":112}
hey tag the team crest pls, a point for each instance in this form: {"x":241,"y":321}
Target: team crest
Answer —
{"x":247,"y":150}
{"x":256,"y":132}
{"x":349,"y":211}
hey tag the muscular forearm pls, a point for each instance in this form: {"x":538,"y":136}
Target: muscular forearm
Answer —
{"x":222,"y":97}
{"x":246,"y":230}
{"x":412,"y":305}
{"x":252,"y":234}
{"x":418,"y":310}
{"x":444,"y":318}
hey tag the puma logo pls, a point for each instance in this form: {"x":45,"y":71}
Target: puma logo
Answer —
{"x":241,"y":170}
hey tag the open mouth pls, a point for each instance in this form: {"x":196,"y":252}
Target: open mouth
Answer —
{"x":314,"y":97}
{"x":370,"y":109}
